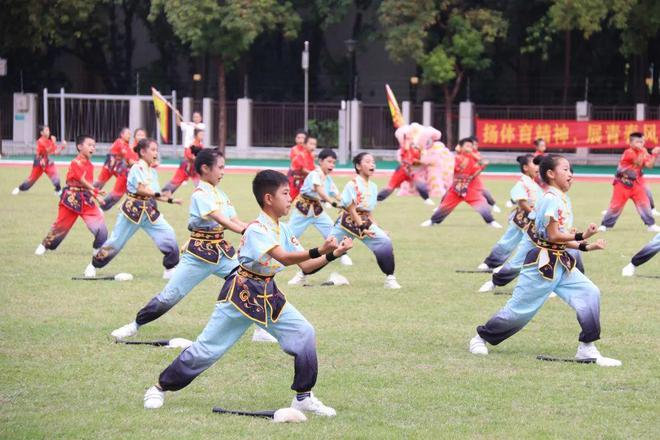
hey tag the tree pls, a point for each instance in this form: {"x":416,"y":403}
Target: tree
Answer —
{"x":445,"y":38}
{"x":225,"y":30}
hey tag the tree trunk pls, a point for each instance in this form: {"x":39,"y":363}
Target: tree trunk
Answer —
{"x":222,"y":106}
{"x":567,"y":65}
{"x":450,"y":95}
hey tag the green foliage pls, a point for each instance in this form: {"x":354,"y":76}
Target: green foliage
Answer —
{"x":405,"y":27}
{"x":326,"y":132}
{"x":438,"y":66}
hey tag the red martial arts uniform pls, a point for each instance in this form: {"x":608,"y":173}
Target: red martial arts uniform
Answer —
{"x":76,"y":201}
{"x":629,"y":184}
{"x":112,"y":160}
{"x":43,"y":164}
{"x":302,"y":163}
{"x":186,"y":169}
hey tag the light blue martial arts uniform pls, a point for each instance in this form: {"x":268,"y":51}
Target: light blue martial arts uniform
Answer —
{"x":206,"y":252}
{"x":525,"y":189}
{"x":138,"y":212}
{"x":250,"y":296}
{"x":647,"y":252}
{"x":548,"y":268}
{"x":363,"y":194}
{"x":307,"y":208}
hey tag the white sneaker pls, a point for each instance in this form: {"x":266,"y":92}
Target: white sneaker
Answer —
{"x":58,"y":193}
{"x":604,"y":212}
{"x":337,"y":280}
{"x":298,"y":278}
{"x":552,"y":295}
{"x":90,"y":271}
{"x":602,"y":228}
{"x":498,"y":269}
{"x":314,"y":405}
{"x":478,"y":346}
{"x":483,"y":267}
{"x":495,"y":225}
{"x":154,"y":398}
{"x":628,"y":271}
{"x":589,"y":351}
{"x":653,"y":228}
{"x":496,"y":209}
{"x":426,"y":223}
{"x":167,"y":273}
{"x":261,"y":335}
{"x":509,"y":204}
{"x":391,"y":283}
{"x":655,"y":212}
{"x":41,"y":249}
{"x":126,"y":331}
{"x":346,"y":260}
{"x":488,"y":286}
{"x":15,"y":191}
{"x":429,"y":202}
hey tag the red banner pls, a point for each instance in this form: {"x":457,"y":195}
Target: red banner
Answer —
{"x":521,"y":133}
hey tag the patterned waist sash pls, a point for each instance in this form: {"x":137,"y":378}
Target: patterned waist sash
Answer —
{"x":347,"y":223}
{"x":461,"y":183}
{"x":209,"y":246}
{"x":255,"y":296}
{"x":136,"y":205}
{"x":75,"y":197}
{"x":546,"y":254}
{"x":305,"y":204}
{"x":520,"y":219}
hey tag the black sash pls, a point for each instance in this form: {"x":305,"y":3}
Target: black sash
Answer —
{"x":134,"y":206}
{"x":209,"y":246}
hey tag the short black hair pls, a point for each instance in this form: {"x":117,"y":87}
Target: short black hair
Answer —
{"x":140,"y":129}
{"x":538,"y":158}
{"x":474,"y":138}
{"x":523,"y":160}
{"x":309,"y":136}
{"x":549,"y":162}
{"x":40,"y":128}
{"x":464,"y":140}
{"x":635,"y":134}
{"x":327,"y":152}
{"x":208,"y":157}
{"x":301,"y":131}
{"x":197,"y":131}
{"x":80,"y":139}
{"x":267,"y":182}
{"x":538,"y":141}
{"x":123,"y":129}
{"x":357,"y":160}
{"x":143,"y":144}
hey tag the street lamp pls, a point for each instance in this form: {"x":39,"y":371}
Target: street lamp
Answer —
{"x":350,"y":48}
{"x":414,"y":81}
{"x":305,"y":67}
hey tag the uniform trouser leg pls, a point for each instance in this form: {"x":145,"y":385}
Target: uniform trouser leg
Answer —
{"x":51,"y":172}
{"x":187,"y":275}
{"x":649,"y":194}
{"x":60,"y":228}
{"x":116,"y":194}
{"x":381,"y":246}
{"x":478,"y":202}
{"x":95,"y":222}
{"x":298,"y":222}
{"x":504,"y":246}
{"x":447,"y":205}
{"x":422,"y":188}
{"x":620,"y":195}
{"x":295,"y":335}
{"x":103,"y":177}
{"x":123,"y":231}
{"x":398,"y":177}
{"x":323,"y":223}
{"x":647,"y":252}
{"x":163,"y":235}
{"x":584,"y":297}
{"x":179,"y":177}
{"x":641,"y":201}
{"x":36,"y":172}
{"x":488,"y":196}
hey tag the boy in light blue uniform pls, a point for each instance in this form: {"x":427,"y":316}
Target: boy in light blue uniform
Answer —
{"x":140,"y":211}
{"x":548,"y":267}
{"x":206,"y":252}
{"x":359,"y":199}
{"x":317,"y":188}
{"x":641,"y":257}
{"x":250,"y":296}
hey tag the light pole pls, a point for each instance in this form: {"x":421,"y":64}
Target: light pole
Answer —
{"x":350,"y":48}
{"x":305,"y":67}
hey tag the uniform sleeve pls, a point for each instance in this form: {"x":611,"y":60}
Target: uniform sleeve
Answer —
{"x":349,"y":195}
{"x":257,"y":241}
{"x":292,"y":243}
{"x":76,"y":171}
{"x":229,"y":209}
{"x":332,"y":191}
{"x":518,"y":192}
{"x":137,"y":175}
{"x":42,"y":150}
{"x":628,"y":159}
{"x":202,"y":204}
{"x":552,"y":209}
{"x":298,"y":162}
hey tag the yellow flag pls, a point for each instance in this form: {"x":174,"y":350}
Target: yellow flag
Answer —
{"x":162,"y":113}
{"x":397,"y":117}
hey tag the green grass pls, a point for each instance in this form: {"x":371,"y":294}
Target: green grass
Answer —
{"x":393,"y":363}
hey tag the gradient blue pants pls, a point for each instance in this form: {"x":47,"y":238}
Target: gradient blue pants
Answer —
{"x":294,"y":333}
{"x":299,"y":222}
{"x":189,"y":273}
{"x":531,"y":292}
{"x":380,"y":245}
{"x":647,"y":252}
{"x":505,"y":246}
{"x":160,"y":232}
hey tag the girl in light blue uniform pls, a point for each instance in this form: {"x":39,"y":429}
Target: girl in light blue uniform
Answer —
{"x":524,"y":193}
{"x":140,"y":211}
{"x":206,"y":252}
{"x":548,"y":267}
{"x":357,"y":221}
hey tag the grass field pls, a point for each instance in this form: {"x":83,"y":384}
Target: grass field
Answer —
{"x":393,"y":363}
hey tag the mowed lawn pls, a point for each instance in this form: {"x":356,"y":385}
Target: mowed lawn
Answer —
{"x":393,"y":363}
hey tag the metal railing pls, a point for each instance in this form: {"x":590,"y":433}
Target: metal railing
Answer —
{"x":6,"y":116}
{"x":613,"y":113}
{"x":275,"y":123}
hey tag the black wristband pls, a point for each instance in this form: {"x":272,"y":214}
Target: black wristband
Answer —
{"x":579,"y":236}
{"x":170,"y":200}
{"x":334,"y":204}
{"x":156,"y":194}
{"x":583,"y":246}
{"x":314,"y":253}
{"x":243,"y":231}
{"x":330,"y":257}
